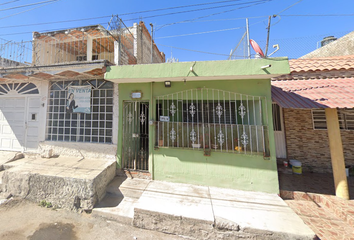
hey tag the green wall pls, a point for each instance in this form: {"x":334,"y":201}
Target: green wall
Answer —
{"x":237,"y":171}
{"x":205,"y":69}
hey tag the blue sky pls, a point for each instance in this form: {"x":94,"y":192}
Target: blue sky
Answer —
{"x":296,"y":35}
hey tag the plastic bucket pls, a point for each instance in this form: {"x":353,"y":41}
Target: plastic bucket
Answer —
{"x":296,"y":166}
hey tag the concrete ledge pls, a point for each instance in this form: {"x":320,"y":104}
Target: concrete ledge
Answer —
{"x":72,"y":186}
{"x":168,"y":223}
{"x":83,"y":150}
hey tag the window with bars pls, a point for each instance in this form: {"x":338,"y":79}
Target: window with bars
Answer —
{"x":211,"y":119}
{"x":95,"y":127}
{"x":345,"y":118}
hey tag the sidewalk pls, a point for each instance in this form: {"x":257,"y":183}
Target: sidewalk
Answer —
{"x":199,"y":211}
{"x":312,"y":197}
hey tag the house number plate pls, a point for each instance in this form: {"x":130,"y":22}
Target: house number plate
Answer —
{"x":164,"y":118}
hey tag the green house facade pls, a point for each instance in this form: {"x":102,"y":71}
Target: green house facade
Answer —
{"x":206,"y":123}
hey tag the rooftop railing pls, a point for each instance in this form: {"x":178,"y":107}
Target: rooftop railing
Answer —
{"x":62,"y":48}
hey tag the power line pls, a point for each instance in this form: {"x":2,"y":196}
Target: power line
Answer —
{"x":9,"y":2}
{"x":30,"y":9}
{"x":27,"y":5}
{"x":191,"y":50}
{"x":64,"y":21}
{"x":84,"y":19}
{"x":202,"y":9}
{"x":209,"y":15}
{"x":318,"y":15}
{"x":48,"y":30}
{"x":189,"y":34}
{"x":221,"y":30}
{"x":288,"y":7}
{"x":192,"y":5}
{"x":227,"y":19}
{"x":258,"y":2}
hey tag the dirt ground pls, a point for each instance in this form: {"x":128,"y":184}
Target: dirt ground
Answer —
{"x":21,"y":219}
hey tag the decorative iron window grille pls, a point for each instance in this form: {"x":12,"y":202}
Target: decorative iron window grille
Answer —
{"x":345,"y":118}
{"x":18,"y":88}
{"x":212,"y":120}
{"x":81,"y":127}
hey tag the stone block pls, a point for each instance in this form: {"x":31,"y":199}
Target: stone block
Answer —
{"x":47,"y":153}
{"x":70,"y":190}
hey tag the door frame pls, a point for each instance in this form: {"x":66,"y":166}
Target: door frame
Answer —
{"x":279,"y":136}
{"x":136,"y":136}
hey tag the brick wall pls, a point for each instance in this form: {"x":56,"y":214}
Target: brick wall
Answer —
{"x":311,"y":146}
{"x":144,"y":47}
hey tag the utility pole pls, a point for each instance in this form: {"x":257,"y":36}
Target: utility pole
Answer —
{"x":152,"y":34}
{"x":266,"y":50}
{"x":248,"y":40}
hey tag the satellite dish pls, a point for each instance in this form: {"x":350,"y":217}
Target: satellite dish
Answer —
{"x":256,"y":48}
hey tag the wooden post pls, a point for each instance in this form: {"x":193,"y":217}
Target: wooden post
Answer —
{"x":337,"y":156}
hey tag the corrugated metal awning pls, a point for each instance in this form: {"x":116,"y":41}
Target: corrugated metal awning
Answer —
{"x":314,"y":93}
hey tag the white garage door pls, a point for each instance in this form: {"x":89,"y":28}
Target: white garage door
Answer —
{"x":12,"y":123}
{"x":19,"y":123}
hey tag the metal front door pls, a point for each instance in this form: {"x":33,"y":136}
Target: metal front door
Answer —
{"x":136,"y":135}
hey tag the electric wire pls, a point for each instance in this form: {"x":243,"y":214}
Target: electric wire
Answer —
{"x":191,"y":50}
{"x":257,"y":2}
{"x":318,"y":15}
{"x":85,"y":19}
{"x":209,"y":15}
{"x":27,"y":5}
{"x":29,"y":9}
{"x":64,"y":21}
{"x":227,"y":19}
{"x":197,"y":33}
{"x":9,"y":2}
{"x":201,"y":9}
{"x":163,"y":9}
{"x":288,"y":7}
{"x":189,"y":34}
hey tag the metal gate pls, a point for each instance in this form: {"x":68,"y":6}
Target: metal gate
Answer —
{"x":136,"y":135}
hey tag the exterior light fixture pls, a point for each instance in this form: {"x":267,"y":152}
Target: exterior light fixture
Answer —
{"x":167,"y":83}
{"x":266,"y":66}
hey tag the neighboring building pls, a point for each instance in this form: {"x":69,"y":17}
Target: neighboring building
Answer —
{"x":207,"y":123}
{"x":299,"y":110}
{"x":333,"y":47}
{"x":318,"y":116}
{"x":34,"y":94}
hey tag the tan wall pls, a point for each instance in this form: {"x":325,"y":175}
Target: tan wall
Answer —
{"x":311,"y":146}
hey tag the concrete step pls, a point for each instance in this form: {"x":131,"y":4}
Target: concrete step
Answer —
{"x":125,"y":187}
{"x":117,"y":208}
{"x":122,"y":195}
